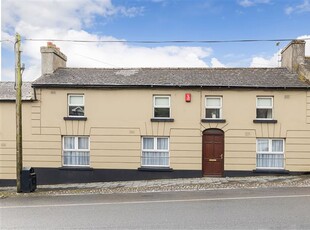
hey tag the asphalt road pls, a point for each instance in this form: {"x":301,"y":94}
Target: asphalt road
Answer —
{"x":270,"y":208}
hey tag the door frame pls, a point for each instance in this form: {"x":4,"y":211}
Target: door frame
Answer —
{"x":213,"y":131}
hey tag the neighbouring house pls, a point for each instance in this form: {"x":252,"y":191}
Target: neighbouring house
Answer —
{"x":89,"y":124}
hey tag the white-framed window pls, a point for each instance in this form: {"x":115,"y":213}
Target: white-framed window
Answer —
{"x":270,"y":153}
{"x":75,"y":151}
{"x":213,"y":107}
{"x":75,"y":105}
{"x":161,"y":106}
{"x":155,"y":152}
{"x":264,"y":107}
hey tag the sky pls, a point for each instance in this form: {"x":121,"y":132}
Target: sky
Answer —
{"x":151,"y":20}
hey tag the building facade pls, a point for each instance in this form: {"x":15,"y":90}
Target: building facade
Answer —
{"x":86,"y":125}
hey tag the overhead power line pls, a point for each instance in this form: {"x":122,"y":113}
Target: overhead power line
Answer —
{"x":163,"y":41}
{"x":94,"y":59}
{"x":7,"y":40}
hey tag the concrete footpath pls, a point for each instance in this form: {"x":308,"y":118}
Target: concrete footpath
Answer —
{"x":163,"y":185}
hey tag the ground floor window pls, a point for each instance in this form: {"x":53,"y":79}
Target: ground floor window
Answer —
{"x":75,"y":151}
{"x":270,"y":153}
{"x":155,"y":152}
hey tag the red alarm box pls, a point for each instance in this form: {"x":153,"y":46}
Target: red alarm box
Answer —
{"x":188,"y":97}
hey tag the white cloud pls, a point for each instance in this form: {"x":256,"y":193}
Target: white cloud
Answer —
{"x":249,"y":3}
{"x":162,"y":2}
{"x":69,"y":22}
{"x":7,"y":74}
{"x":70,"y":14}
{"x":215,"y":63}
{"x":301,"y":8}
{"x":289,"y":10}
{"x":7,"y":37}
{"x":245,"y":3}
{"x":32,"y":72}
{"x":259,"y":61}
{"x":108,"y":55}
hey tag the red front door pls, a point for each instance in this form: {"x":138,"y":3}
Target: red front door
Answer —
{"x":213,"y":152}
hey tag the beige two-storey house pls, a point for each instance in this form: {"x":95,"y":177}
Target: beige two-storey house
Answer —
{"x":88,"y":124}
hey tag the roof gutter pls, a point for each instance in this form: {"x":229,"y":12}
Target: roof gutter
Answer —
{"x":163,"y":86}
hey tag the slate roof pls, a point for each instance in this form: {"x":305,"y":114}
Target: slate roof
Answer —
{"x":172,"y":77}
{"x":8,"y":93}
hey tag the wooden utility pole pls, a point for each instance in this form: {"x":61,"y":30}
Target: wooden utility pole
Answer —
{"x":19,"y":143}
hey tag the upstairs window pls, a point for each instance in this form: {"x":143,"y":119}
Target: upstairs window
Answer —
{"x":264,"y":107}
{"x":213,"y":108}
{"x":76,"y":151}
{"x":76,"y":105}
{"x":161,"y":106}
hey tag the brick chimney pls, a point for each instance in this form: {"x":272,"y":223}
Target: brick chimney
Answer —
{"x":293,"y":55}
{"x":51,"y":58}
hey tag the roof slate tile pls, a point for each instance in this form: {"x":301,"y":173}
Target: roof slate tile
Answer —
{"x":8,"y":92}
{"x":172,"y":77}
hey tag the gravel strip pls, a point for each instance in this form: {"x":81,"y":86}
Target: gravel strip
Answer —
{"x":165,"y":185}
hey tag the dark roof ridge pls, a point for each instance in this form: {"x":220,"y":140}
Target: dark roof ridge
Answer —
{"x":183,"y":68}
